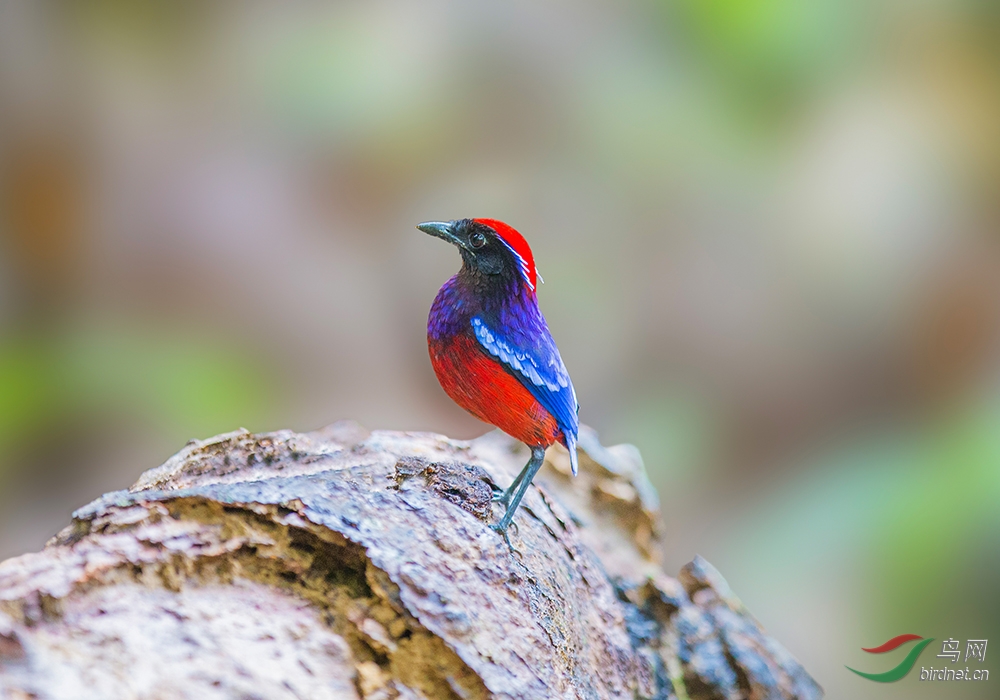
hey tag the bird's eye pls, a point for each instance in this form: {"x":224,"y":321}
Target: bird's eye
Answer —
{"x":477,"y":240}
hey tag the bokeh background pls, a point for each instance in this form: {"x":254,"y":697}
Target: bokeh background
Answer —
{"x":768,"y":228}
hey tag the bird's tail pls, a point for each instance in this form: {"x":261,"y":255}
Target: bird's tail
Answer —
{"x":571,"y":447}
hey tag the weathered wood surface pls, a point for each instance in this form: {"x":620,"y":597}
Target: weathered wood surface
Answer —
{"x":348,"y":564}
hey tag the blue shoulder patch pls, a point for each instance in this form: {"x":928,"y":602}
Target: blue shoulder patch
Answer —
{"x":541,"y":370}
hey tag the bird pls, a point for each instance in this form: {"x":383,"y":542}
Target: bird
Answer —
{"x":492,"y":351}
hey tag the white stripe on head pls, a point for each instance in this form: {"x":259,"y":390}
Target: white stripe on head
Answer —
{"x":525,"y":272}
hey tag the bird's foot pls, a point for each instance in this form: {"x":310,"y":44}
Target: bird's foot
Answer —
{"x":506,"y":538}
{"x":501,"y":496}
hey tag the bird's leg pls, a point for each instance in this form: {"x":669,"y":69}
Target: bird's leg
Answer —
{"x":518,"y":489}
{"x":504,"y":496}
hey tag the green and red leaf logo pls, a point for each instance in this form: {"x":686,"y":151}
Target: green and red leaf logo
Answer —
{"x":904,"y":666}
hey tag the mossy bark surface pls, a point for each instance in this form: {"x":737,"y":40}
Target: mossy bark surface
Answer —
{"x":350,"y":564}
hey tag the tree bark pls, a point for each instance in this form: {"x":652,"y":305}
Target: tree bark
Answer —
{"x":349,"y":564}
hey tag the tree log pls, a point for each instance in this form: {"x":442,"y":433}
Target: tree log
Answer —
{"x":349,"y":564}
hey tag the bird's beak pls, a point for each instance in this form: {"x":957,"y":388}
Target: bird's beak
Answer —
{"x":444,"y":230}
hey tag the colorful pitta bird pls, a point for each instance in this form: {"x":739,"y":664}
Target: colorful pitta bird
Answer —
{"x":492,"y":351}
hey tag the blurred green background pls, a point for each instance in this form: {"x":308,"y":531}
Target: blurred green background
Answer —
{"x":769,"y":232}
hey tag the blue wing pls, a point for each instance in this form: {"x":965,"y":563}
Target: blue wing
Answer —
{"x":534,"y":359}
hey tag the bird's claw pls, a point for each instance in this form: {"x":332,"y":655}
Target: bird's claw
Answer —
{"x":506,"y":537}
{"x":501,"y":496}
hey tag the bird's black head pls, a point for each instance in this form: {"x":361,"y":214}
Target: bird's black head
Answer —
{"x":488,"y":247}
